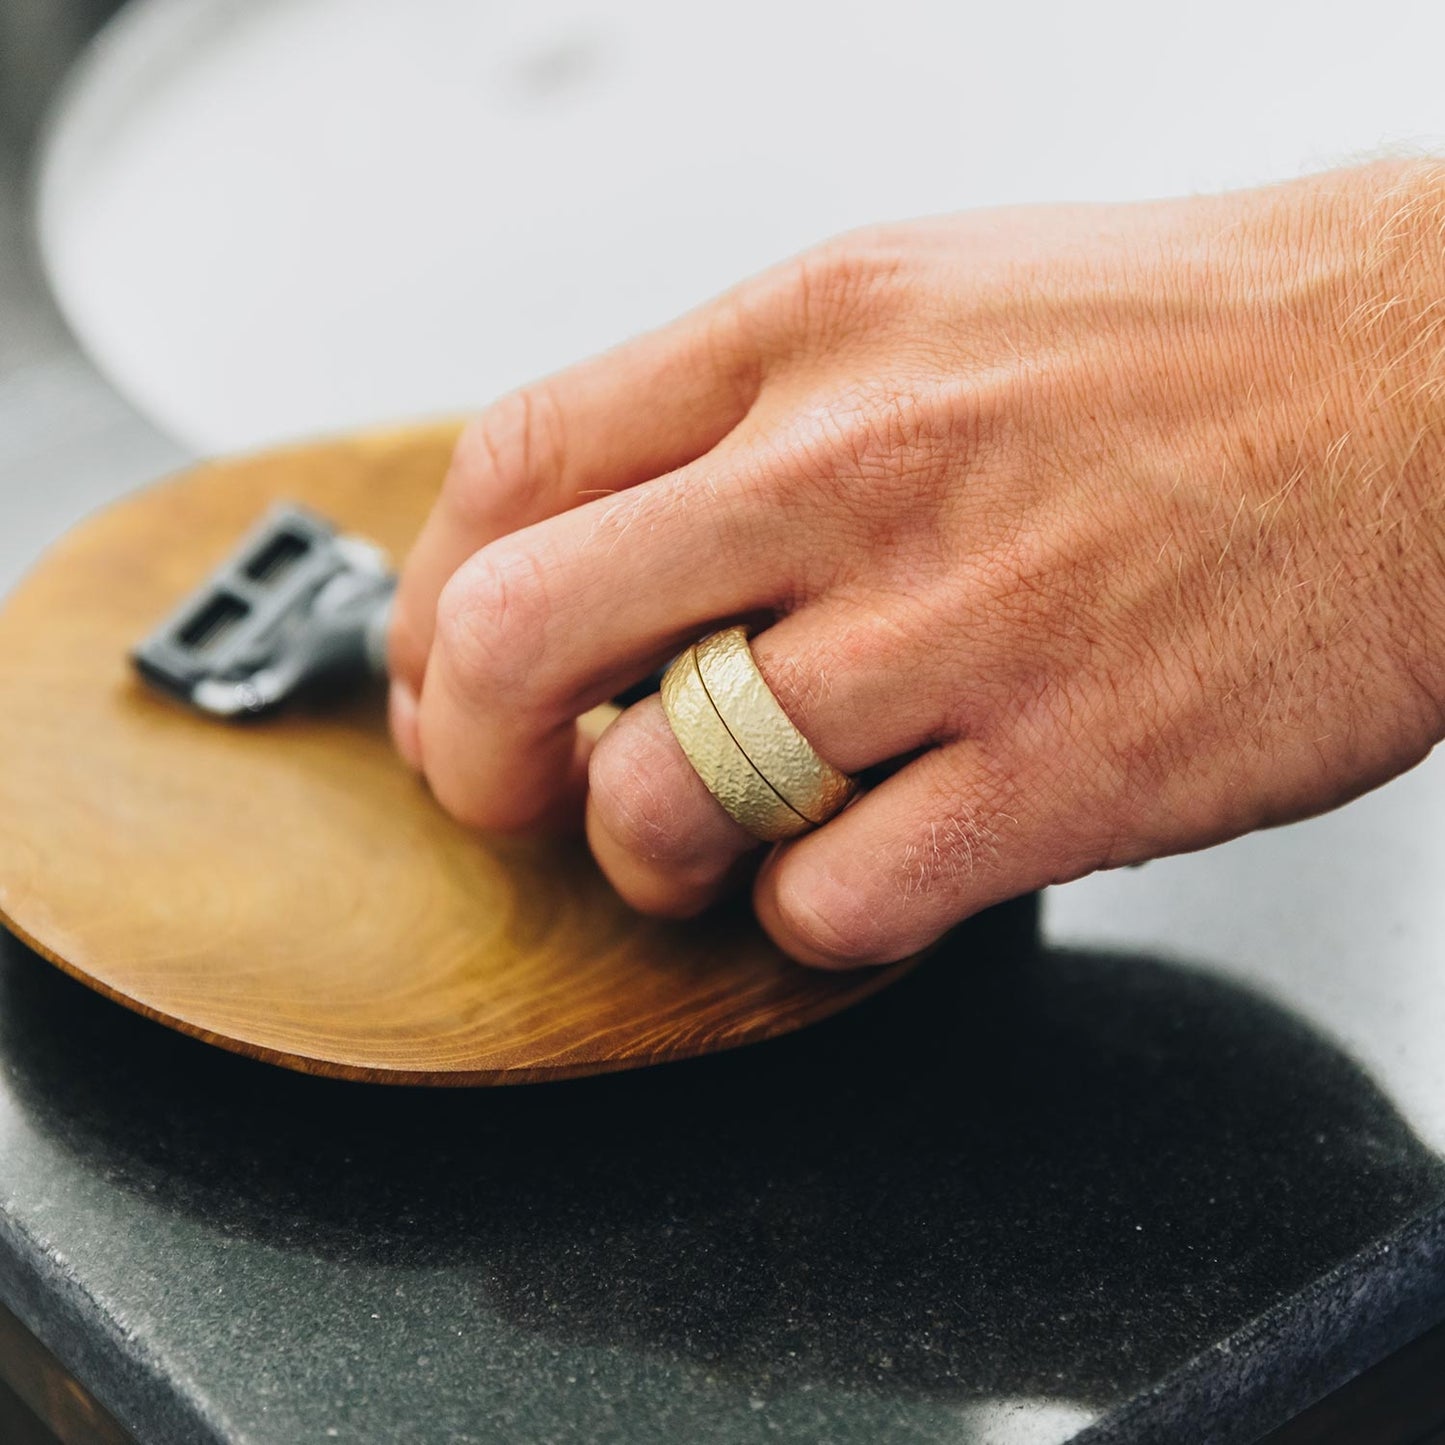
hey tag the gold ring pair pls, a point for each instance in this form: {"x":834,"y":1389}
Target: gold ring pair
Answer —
{"x":743,"y":746}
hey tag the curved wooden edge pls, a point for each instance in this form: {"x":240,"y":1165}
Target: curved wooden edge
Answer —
{"x":385,"y":440}
{"x":422,"y":1078}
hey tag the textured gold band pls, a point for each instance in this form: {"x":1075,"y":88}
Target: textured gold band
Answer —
{"x":806,"y":783}
{"x":742,"y":744}
{"x":718,"y":760}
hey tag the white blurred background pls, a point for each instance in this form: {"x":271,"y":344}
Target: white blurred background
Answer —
{"x":268,"y":218}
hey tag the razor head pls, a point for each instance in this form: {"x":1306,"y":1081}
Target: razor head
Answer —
{"x":295,"y":605}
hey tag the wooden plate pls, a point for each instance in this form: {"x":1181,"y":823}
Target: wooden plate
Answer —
{"x":286,"y":888}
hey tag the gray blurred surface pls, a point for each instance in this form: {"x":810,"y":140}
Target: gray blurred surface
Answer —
{"x":38,"y":39}
{"x":68,"y":443}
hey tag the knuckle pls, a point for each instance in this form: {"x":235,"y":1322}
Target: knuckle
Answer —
{"x":883,"y":431}
{"x":823,"y":292}
{"x":870,"y":463}
{"x":639,"y":782}
{"x":729,"y":345}
{"x":491,"y":621}
{"x":851,"y":268}
{"x":501,"y":454}
{"x":831,"y":924}
{"x":889,"y":454}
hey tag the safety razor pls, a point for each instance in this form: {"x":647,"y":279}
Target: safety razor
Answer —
{"x":297,"y":607}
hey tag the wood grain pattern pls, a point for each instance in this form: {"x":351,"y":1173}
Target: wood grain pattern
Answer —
{"x":286,"y":888}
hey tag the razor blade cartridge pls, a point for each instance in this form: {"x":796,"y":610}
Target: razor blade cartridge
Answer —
{"x":295,"y":607}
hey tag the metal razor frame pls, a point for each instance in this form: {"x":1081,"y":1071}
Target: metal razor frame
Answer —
{"x":294,"y":606}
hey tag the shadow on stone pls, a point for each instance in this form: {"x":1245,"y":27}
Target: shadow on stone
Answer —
{"x":1021,"y":1172}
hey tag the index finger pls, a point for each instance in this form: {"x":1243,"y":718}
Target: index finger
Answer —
{"x":621,"y":418}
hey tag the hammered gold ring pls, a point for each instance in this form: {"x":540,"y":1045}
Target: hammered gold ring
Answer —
{"x":745,"y":748}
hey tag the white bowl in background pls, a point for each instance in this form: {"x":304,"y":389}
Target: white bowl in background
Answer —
{"x":266,"y":218}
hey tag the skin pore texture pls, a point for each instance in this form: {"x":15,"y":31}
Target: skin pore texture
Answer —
{"x":1089,"y":534}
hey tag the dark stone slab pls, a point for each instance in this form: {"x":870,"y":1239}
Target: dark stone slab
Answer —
{"x":1033,"y":1191}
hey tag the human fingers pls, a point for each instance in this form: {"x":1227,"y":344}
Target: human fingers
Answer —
{"x":840,"y":672}
{"x":958,"y":829}
{"x":607,"y":424}
{"x":545,"y":623}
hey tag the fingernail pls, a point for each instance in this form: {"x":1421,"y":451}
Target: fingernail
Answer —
{"x":401,"y":714}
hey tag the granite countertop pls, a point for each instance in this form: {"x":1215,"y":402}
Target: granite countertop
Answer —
{"x":1159,"y":1161}
{"x":1040,"y":1191}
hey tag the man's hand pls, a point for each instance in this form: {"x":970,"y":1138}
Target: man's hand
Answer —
{"x":1111,"y":531}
